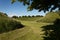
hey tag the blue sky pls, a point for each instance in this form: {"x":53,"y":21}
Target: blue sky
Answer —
{"x":16,"y":9}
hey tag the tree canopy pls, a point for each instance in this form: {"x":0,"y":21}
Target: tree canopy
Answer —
{"x":40,"y":5}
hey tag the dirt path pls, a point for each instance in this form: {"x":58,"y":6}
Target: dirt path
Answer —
{"x":30,"y":26}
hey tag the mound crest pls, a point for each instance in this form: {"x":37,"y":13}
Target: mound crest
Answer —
{"x":50,"y":17}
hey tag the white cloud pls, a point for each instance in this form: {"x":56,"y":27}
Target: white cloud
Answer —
{"x":12,"y":14}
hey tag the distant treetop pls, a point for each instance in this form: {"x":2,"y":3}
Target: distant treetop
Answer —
{"x":3,"y":14}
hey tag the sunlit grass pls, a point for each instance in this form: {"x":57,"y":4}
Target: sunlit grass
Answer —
{"x":50,"y":17}
{"x":31,"y":31}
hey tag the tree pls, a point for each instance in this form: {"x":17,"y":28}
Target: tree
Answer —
{"x":19,"y":16}
{"x":39,"y":16}
{"x":40,"y":5}
{"x":23,"y":16}
{"x":29,"y":16}
{"x":33,"y":16}
{"x":3,"y":14}
{"x":14,"y":16}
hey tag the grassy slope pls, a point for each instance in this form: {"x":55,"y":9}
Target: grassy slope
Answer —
{"x":32,"y":31}
{"x":8,"y":24}
{"x":50,"y":17}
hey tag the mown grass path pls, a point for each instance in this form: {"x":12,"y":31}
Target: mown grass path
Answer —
{"x":32,"y":31}
{"x":35,"y":27}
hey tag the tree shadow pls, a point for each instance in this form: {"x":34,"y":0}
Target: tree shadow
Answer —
{"x":52,"y":32}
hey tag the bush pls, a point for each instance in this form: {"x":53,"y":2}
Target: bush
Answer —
{"x":7,"y":24}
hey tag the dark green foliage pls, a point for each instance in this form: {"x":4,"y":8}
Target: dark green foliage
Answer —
{"x":7,"y":24}
{"x":39,"y":16}
{"x":29,"y":16}
{"x":14,"y":16}
{"x":3,"y":14}
{"x":13,"y":1}
{"x":52,"y":32}
{"x":20,"y":17}
{"x":24,"y":16}
{"x":40,"y":5}
{"x":33,"y":16}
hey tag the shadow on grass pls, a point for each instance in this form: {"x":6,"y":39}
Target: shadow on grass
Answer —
{"x":52,"y":32}
{"x":7,"y":26}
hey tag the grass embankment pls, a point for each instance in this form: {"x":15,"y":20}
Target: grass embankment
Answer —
{"x":50,"y":17}
{"x":32,"y":31}
{"x":8,"y":24}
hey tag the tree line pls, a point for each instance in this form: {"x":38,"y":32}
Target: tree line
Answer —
{"x":26,"y":16}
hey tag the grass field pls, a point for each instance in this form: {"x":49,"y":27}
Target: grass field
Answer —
{"x":31,"y":31}
{"x":29,"y":18}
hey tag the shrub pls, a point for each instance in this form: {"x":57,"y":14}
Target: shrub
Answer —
{"x":7,"y":24}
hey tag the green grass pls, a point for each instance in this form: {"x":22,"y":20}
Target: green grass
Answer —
{"x":8,"y":24}
{"x":31,"y":31}
{"x":29,"y":18}
{"x":49,"y":18}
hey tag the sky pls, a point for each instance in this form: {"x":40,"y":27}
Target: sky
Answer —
{"x":17,"y":9}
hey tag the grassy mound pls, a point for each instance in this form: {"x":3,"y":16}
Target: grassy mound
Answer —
{"x":50,"y":17}
{"x":7,"y":24}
